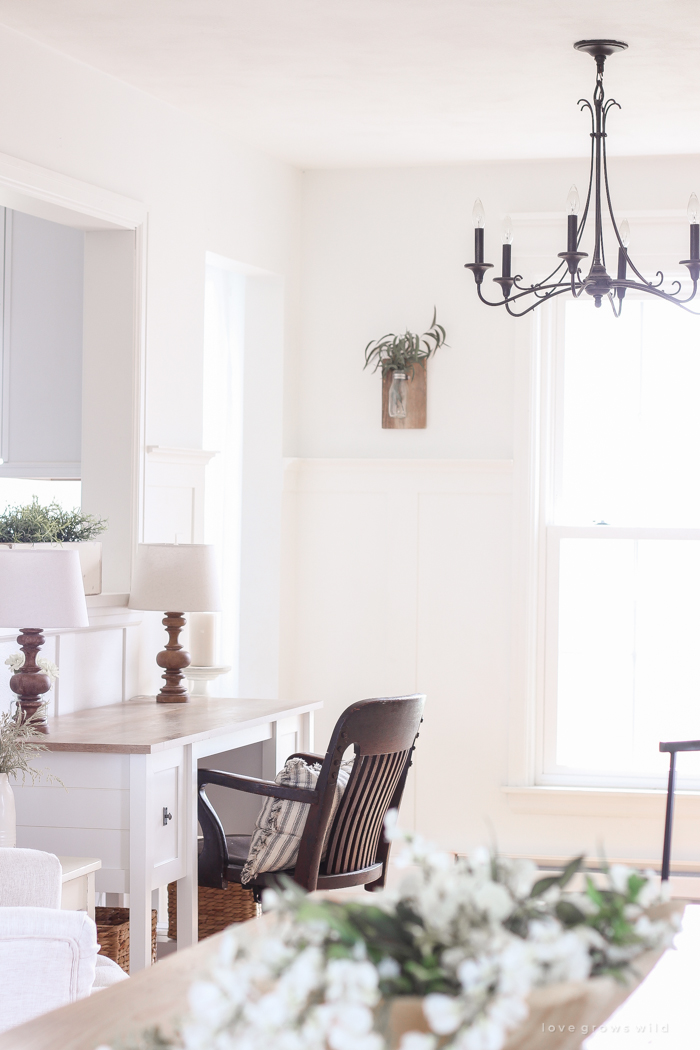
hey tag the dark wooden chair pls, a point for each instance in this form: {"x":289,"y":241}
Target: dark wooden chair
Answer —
{"x":672,"y":747}
{"x":383,"y":732}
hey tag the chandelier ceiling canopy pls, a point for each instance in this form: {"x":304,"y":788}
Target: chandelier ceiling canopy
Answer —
{"x":519,"y":298}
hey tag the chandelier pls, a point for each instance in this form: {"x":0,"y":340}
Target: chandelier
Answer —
{"x":567,"y":276}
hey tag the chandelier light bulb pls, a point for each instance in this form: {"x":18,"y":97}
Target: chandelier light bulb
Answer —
{"x":693,"y":209}
{"x":507,"y":230}
{"x":478,"y":215}
{"x":625,"y":233}
{"x":573,"y":202}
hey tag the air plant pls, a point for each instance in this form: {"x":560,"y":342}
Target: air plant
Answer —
{"x":401,"y":353}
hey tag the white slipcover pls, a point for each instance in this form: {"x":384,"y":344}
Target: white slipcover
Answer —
{"x":29,"y":879}
{"x":47,"y":960}
{"x":48,"y":957}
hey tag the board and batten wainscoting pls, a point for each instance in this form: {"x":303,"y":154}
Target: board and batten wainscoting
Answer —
{"x":396,"y":579}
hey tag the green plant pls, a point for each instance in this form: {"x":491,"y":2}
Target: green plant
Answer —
{"x":33,"y":523}
{"x":401,"y":353}
{"x":19,"y":742}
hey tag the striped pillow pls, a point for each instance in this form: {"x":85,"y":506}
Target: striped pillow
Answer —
{"x":280,"y":822}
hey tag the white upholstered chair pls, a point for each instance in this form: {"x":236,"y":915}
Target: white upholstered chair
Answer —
{"x":48,"y":957}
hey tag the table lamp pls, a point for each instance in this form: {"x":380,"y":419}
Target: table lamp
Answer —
{"x":39,"y":587}
{"x":168,"y":577}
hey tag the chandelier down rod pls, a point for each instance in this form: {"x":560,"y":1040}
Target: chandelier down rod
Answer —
{"x":567,"y":275}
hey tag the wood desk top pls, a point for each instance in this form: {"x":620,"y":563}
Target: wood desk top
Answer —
{"x":141,"y":726}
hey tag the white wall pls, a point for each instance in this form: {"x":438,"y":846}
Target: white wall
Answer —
{"x":403,"y":552}
{"x":204,"y":193}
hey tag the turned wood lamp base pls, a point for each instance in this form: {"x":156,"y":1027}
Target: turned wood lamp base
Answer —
{"x":30,"y":682}
{"x":173,"y":659}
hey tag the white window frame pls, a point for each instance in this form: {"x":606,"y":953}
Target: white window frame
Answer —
{"x":547,"y":540}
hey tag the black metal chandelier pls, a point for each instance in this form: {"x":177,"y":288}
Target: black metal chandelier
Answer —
{"x":567,"y":276}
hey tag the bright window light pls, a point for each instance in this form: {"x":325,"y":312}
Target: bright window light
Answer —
{"x":623,"y":667}
{"x":18,"y":491}
{"x":631,"y":419}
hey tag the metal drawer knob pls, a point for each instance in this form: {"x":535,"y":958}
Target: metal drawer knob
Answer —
{"x":166,"y":816}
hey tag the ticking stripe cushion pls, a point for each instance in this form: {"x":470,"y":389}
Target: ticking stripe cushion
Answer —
{"x":280,"y":823}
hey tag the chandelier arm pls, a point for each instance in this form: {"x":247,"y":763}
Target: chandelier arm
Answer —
{"x":552,"y":294}
{"x":584,"y":217}
{"x":611,"y":300}
{"x":614,"y":222}
{"x":581,"y":285}
{"x":532,"y":290}
{"x":544,"y":281}
{"x":598,"y":260}
{"x":660,"y":294}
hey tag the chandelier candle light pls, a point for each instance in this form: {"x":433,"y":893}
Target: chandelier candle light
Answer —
{"x":567,"y":276}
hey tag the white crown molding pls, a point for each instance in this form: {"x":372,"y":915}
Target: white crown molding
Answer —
{"x":20,"y":176}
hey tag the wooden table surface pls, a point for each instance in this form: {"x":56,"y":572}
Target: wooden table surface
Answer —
{"x":141,"y":726}
{"x":151,"y":997}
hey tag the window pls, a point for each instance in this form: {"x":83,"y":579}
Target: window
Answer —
{"x":622,"y":634}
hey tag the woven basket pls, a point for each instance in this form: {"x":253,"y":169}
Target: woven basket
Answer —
{"x":217,"y":908}
{"x":113,"y":934}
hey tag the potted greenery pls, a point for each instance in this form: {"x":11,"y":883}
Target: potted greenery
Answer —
{"x":403,"y":362}
{"x":19,"y":741}
{"x":32,"y":524}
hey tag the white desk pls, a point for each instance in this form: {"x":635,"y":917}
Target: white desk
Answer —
{"x":130,"y":771}
{"x":78,"y":883}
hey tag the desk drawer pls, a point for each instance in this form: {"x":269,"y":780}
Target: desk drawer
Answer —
{"x":165,"y":808}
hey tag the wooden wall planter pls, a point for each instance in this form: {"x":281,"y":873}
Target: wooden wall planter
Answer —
{"x":416,"y":413}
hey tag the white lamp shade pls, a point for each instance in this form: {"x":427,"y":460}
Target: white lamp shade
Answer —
{"x":175,"y":577}
{"x":41,"y":589}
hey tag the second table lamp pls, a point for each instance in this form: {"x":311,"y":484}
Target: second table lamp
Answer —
{"x":175,"y":578}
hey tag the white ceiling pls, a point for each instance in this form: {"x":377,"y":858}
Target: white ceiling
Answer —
{"x":328,"y":83}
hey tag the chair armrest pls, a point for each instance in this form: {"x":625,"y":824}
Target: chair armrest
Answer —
{"x":309,"y":757}
{"x":679,"y":745}
{"x":256,"y":787}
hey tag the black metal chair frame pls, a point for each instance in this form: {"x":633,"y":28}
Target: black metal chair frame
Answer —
{"x":672,"y":747}
{"x":383,"y":732}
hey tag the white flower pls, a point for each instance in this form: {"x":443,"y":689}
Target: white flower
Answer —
{"x":619,"y":876}
{"x":353,"y":982}
{"x":495,"y":900}
{"x":208,"y":1002}
{"x":390,"y":825}
{"x":48,"y":667}
{"x":650,"y":892}
{"x":521,"y":877}
{"x":417,"y":1041}
{"x":15,"y":661}
{"x":484,"y":1035}
{"x":508,"y":1010}
{"x":444,"y":1013}
{"x":388,"y":969}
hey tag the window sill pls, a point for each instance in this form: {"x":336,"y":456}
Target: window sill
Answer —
{"x":600,"y":802}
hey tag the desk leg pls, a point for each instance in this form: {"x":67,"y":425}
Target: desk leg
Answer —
{"x":140,"y":865}
{"x":307,"y":731}
{"x":187,"y":899}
